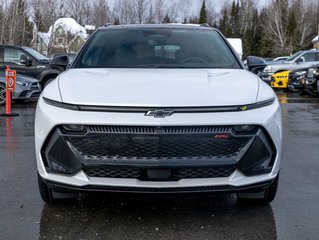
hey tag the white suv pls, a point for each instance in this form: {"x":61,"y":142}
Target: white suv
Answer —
{"x":158,"y":108}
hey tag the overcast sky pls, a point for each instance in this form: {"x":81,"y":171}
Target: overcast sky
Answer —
{"x":196,"y":4}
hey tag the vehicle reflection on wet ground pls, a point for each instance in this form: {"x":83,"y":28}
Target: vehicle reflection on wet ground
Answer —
{"x":293,"y":215}
{"x":122,"y":216}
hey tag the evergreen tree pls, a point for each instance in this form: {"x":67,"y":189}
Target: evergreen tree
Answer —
{"x":39,"y":21}
{"x":166,"y":19}
{"x":203,"y":14}
{"x":116,"y":21}
{"x":292,"y":32}
{"x":224,"y":23}
{"x":234,"y":18}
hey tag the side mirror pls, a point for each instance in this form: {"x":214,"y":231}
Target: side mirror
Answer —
{"x":255,"y":64}
{"x":23,"y":59}
{"x":61,"y":61}
{"x":300,"y":60}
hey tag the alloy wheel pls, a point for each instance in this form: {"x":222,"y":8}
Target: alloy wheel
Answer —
{"x":2,"y":95}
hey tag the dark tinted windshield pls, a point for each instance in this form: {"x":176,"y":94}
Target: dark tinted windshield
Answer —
{"x":157,"y":48}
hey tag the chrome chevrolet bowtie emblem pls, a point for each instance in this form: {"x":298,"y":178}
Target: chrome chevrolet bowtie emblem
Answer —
{"x":159,"y":113}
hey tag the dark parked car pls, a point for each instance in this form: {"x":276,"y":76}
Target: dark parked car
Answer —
{"x":296,"y":81}
{"x":311,"y":83}
{"x":56,"y":66}
{"x":26,"y":88}
{"x":24,"y":60}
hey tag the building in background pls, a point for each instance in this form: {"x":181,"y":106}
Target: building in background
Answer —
{"x":315,"y":42}
{"x":65,"y":35}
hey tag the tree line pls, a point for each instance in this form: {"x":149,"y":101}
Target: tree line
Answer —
{"x":280,"y":27}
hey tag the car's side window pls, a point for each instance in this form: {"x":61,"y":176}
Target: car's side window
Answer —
{"x":317,"y":56}
{"x":13,"y":55}
{"x":309,"y":57}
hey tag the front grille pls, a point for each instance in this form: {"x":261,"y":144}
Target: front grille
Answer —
{"x":175,"y":174}
{"x":158,"y":152}
{"x":35,"y":86}
{"x":24,"y":93}
{"x":158,"y":130}
{"x":151,"y":144}
{"x":35,"y":94}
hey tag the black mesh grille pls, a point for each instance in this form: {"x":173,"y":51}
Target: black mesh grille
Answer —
{"x":151,"y":148}
{"x":113,"y":173}
{"x":158,"y":130}
{"x":176,"y":174}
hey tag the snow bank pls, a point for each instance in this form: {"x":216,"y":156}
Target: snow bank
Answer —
{"x":71,"y":26}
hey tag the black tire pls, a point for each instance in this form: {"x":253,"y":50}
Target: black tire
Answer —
{"x":311,"y":93}
{"x":45,"y":191}
{"x":269,"y":195}
{"x":2,"y":94}
{"x":19,"y":101}
{"x":46,"y":81}
{"x":47,"y":194}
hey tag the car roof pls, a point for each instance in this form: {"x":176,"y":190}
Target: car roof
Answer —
{"x":10,"y":45}
{"x":154,"y":26}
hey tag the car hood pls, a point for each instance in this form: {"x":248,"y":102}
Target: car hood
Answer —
{"x":158,"y":87}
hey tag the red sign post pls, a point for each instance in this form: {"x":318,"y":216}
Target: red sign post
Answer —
{"x":10,"y":87}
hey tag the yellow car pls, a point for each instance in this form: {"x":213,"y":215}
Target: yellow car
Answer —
{"x":280,"y":80}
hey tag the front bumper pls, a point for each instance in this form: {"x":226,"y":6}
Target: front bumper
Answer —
{"x":266,"y":77}
{"x":49,"y":118}
{"x":23,"y":93}
{"x":255,"y":187}
{"x":311,"y":85}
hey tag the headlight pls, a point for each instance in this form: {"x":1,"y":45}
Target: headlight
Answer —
{"x":301,"y":77}
{"x":301,"y":73}
{"x":244,"y":128}
{"x":73,"y":128}
{"x":24,"y":84}
{"x":268,"y":69}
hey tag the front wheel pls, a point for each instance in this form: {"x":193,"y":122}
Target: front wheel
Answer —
{"x":2,"y":94}
{"x":261,"y":198}
{"x":52,"y":197}
{"x":45,"y":191}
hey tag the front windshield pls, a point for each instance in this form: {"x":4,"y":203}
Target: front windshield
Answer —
{"x":291,"y":58}
{"x":35,"y":54}
{"x":157,"y":48}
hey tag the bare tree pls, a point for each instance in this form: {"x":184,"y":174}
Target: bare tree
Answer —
{"x":275,"y":26}
{"x":100,"y":13}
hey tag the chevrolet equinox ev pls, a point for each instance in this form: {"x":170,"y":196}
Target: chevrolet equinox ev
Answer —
{"x":158,"y":109}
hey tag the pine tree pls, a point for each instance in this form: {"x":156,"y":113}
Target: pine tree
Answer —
{"x":166,"y":19}
{"x":203,"y":14}
{"x":234,"y":17}
{"x":291,"y":31}
{"x":39,"y":21}
{"x":224,"y":23}
{"x":116,"y":21}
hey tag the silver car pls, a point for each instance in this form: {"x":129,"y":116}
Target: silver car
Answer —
{"x":26,"y":88}
{"x":299,"y":60}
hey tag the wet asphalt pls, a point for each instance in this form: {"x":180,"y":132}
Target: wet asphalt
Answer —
{"x":294,"y":214}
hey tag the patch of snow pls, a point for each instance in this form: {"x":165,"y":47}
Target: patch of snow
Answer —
{"x":45,"y":37}
{"x":71,"y":26}
{"x":237,"y":44}
{"x":90,"y":27}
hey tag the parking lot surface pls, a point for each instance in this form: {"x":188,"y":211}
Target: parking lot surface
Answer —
{"x":294,"y":214}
